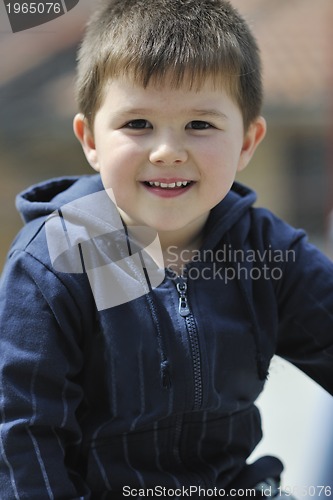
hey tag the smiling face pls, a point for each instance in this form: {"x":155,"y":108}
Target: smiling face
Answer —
{"x":169,"y":155}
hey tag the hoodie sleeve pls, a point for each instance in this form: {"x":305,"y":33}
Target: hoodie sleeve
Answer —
{"x":40,"y":363}
{"x":306,"y":311}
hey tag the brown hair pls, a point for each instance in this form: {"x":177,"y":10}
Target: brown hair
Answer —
{"x":147,"y":40}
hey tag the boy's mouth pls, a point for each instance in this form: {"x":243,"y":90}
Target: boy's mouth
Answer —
{"x":168,"y":188}
{"x":168,"y":185}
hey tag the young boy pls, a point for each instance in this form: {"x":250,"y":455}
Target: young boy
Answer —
{"x":130,"y":364}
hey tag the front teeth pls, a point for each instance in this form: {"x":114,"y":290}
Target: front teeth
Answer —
{"x":169,"y":186}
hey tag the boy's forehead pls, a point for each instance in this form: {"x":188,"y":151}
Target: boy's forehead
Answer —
{"x":189,"y":91}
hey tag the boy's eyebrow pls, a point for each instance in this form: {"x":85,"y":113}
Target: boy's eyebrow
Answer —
{"x":209,"y":112}
{"x":199,"y":112}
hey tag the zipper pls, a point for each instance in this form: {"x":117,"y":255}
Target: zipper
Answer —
{"x":186,"y":313}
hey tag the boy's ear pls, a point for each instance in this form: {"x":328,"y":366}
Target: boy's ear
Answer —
{"x":84,"y":134}
{"x":252,"y":138}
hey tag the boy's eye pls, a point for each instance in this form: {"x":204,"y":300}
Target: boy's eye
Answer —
{"x":199,"y":125}
{"x":138,"y":124}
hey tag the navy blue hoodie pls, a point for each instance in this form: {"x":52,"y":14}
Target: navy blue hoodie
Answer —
{"x":157,"y":391}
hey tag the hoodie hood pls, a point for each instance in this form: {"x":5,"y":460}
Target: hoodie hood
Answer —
{"x":40,"y":200}
{"x":227,"y":213}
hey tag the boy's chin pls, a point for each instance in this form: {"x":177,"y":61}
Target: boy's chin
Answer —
{"x":159,"y":224}
{"x":168,"y":226}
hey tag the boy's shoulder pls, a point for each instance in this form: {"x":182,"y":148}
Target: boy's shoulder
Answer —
{"x":29,"y":263}
{"x":29,"y":270}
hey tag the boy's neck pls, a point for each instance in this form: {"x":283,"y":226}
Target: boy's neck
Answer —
{"x":177,"y":245}
{"x":174,"y":243}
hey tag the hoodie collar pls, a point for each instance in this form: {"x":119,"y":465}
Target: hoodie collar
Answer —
{"x":224,"y":215}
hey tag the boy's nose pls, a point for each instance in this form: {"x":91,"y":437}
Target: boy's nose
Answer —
{"x":168,"y":152}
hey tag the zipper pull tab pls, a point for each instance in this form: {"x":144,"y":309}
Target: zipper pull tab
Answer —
{"x":165,"y":374}
{"x":183,"y":304}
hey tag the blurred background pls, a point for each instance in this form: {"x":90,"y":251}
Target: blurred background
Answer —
{"x":292,"y":171}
